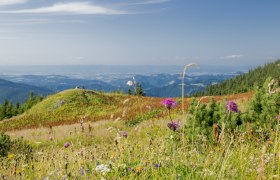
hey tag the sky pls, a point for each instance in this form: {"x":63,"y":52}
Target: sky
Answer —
{"x":139,"y":32}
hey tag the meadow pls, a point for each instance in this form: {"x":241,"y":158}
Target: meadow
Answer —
{"x":145,"y":138}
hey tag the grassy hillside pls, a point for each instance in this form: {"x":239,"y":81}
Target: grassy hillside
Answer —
{"x":245,"y":82}
{"x":75,"y":105}
{"x":115,"y":149}
{"x":18,"y":92}
{"x":72,"y":106}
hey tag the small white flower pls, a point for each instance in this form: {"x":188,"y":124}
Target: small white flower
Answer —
{"x":129,"y":83}
{"x":103,"y":168}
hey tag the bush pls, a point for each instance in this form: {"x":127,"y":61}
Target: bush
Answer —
{"x":5,"y":144}
{"x":21,"y":146}
{"x":261,"y":114}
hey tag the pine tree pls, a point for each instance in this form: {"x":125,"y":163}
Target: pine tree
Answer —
{"x":129,"y":91}
{"x":3,"y":112}
{"x":17,"y":109}
{"x":10,"y":110}
{"x":139,"y":90}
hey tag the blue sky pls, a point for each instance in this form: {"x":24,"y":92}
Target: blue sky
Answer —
{"x":139,"y":32}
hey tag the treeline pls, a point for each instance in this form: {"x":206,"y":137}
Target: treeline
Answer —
{"x":138,"y":90}
{"x":8,"y":109}
{"x":245,"y":82}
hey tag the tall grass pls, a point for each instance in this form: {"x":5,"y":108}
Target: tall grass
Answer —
{"x":151,"y":151}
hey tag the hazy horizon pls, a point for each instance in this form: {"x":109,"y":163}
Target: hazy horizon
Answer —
{"x":111,"y":71}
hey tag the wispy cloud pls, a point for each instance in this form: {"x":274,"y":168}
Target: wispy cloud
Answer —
{"x":77,"y":57}
{"x":270,"y":58}
{"x":8,"y":38}
{"x":37,"y":21}
{"x":11,"y":2}
{"x":234,"y":56}
{"x":69,"y":8}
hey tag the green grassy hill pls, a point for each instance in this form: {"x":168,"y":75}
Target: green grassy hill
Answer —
{"x":244,"y":83}
{"x":72,"y":106}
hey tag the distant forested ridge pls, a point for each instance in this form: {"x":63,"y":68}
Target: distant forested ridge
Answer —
{"x":18,"y":92}
{"x":9,"y":109}
{"x":245,"y":82}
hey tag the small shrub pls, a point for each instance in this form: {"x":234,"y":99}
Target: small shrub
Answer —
{"x":5,"y":144}
{"x":21,"y":146}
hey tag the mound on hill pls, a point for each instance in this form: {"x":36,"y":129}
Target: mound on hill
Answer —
{"x":74,"y":106}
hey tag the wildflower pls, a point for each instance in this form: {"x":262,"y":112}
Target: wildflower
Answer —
{"x":18,"y":171}
{"x":169,"y":103}
{"x":129,"y":169}
{"x":66,"y":145}
{"x":157,"y":165}
{"x":129,"y":83}
{"x":174,"y":126}
{"x":103,"y":168}
{"x":232,"y":107}
{"x":260,"y":170}
{"x":11,"y":156}
{"x":139,"y":169}
{"x":124,"y":134}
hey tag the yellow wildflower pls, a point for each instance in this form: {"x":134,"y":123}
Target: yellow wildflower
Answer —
{"x":18,"y":171}
{"x":139,"y":169}
{"x":11,"y":156}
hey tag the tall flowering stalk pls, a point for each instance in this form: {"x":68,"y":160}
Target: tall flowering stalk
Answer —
{"x":169,"y":103}
{"x":135,"y":83}
{"x":231,"y":107}
{"x":183,"y":84}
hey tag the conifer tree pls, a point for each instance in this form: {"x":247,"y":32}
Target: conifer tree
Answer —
{"x":139,"y":90}
{"x":3,"y":112}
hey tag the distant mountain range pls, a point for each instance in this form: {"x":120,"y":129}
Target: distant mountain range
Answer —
{"x":18,"y":92}
{"x":17,"y":87}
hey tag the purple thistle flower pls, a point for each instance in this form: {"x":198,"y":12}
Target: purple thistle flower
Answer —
{"x":173,"y":126}
{"x":66,"y":145}
{"x":232,"y":107}
{"x":124,"y":134}
{"x":169,"y":103}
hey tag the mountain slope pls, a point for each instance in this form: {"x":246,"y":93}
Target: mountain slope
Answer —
{"x":18,"y":92}
{"x":245,"y":82}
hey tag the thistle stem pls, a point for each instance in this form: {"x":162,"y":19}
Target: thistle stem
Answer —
{"x":169,"y":113}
